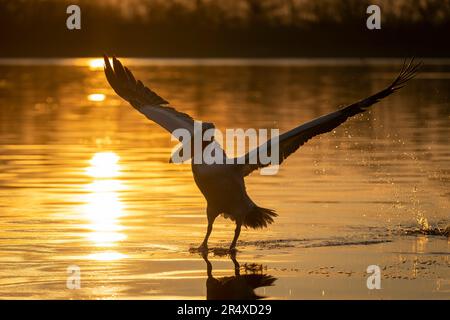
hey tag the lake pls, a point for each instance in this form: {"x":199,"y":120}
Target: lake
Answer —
{"x":85,"y":182}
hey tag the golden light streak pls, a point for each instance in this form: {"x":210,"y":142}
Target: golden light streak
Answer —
{"x":106,"y":256}
{"x":96,"y":97}
{"x":103,"y":207}
{"x":95,"y":64}
{"x":104,"y":165}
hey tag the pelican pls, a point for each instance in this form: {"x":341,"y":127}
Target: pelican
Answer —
{"x":223,"y":185}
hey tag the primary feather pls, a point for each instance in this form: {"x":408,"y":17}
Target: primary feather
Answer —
{"x":290,"y":141}
{"x":145,"y":100}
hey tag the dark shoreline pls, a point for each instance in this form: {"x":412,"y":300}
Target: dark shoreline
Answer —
{"x":176,"y":32}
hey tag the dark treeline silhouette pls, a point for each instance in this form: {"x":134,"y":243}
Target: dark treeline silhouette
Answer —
{"x":221,"y":28}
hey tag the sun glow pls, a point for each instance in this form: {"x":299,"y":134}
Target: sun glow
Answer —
{"x":96,"y":64}
{"x":104,"y":165}
{"x":96,"y":97}
{"x":103,"y":207}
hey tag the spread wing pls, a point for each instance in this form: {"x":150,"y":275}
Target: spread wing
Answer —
{"x":290,"y":141}
{"x":145,"y":100}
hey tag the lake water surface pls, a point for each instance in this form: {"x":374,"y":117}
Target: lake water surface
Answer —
{"x":85,"y":181}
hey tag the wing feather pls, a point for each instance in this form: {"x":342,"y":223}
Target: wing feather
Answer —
{"x":290,"y":141}
{"x":145,"y":100}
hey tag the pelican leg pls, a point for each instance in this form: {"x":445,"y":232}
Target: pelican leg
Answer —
{"x":237,"y":267}
{"x":204,"y":245}
{"x":237,"y":232}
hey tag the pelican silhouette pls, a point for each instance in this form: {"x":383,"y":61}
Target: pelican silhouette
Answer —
{"x":237,"y":287}
{"x":223,"y":184}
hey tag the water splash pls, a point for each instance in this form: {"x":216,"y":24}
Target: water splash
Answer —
{"x":425,"y":228}
{"x":423,"y":223}
{"x":430,"y":231}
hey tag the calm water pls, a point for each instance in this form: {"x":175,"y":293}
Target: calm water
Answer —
{"x":85,"y":181}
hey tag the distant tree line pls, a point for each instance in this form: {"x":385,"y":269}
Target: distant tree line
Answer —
{"x":221,"y":28}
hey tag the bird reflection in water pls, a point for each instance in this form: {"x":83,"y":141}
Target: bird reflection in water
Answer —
{"x":237,"y":287}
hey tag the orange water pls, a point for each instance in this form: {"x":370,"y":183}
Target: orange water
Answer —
{"x":85,"y":180}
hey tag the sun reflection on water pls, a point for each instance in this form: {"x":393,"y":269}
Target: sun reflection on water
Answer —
{"x":103,"y":207}
{"x":96,"y":63}
{"x":107,"y":256}
{"x":104,"y":165}
{"x":96,"y":97}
